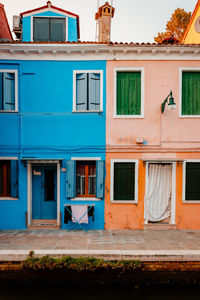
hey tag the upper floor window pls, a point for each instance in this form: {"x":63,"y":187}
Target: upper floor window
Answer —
{"x":129,"y":93}
{"x":88,"y":91}
{"x":49,"y":29}
{"x":190,"y":93}
{"x":8,"y":90}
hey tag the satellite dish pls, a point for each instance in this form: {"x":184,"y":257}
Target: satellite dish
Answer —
{"x":197,"y":25}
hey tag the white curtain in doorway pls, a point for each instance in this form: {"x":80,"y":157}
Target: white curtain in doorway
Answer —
{"x":158,"y":192}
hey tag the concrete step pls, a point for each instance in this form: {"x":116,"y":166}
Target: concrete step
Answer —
{"x":159,"y":226}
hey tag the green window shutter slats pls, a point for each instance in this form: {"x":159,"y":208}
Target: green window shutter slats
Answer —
{"x":40,"y":29}
{"x":124,"y":181}
{"x":192,"y":186}
{"x":128,"y":93}
{"x":191,"y":93}
{"x":57,"y":29}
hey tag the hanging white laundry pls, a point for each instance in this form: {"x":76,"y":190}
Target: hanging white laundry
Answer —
{"x":78,"y":211}
{"x":158,"y":192}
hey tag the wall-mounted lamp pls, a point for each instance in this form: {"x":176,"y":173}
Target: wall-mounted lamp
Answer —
{"x":171,"y":103}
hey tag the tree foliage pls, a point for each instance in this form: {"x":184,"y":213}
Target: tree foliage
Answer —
{"x":176,"y":26}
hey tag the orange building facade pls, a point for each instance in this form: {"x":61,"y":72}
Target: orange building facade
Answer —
{"x":157,"y":152}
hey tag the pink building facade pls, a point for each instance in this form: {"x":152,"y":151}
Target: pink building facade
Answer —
{"x":153,"y":157}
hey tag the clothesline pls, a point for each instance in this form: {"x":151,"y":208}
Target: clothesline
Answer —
{"x":79,"y":204}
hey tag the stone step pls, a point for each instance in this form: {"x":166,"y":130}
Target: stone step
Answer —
{"x":159,"y":226}
{"x":46,"y":226}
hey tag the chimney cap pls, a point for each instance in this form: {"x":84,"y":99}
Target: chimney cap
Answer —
{"x":100,"y":11}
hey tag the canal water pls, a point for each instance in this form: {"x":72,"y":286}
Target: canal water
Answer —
{"x":103,"y":293}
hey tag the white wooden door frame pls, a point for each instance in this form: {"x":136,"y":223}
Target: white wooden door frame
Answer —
{"x":29,"y":192}
{"x":173,"y":198}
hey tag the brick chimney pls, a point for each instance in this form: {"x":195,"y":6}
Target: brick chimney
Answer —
{"x":103,"y":19}
{"x":5,"y":33}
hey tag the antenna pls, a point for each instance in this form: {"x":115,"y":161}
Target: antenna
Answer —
{"x":111,"y":17}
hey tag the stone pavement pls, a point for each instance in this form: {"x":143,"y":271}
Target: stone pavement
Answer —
{"x":167,"y":244}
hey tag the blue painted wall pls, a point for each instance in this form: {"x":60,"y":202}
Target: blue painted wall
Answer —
{"x":46,"y":127}
{"x":72,"y":26}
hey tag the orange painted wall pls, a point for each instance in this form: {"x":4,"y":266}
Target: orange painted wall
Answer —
{"x":168,"y":136}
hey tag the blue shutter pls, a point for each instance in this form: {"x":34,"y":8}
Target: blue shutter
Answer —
{"x":14,"y":178}
{"x":1,"y":91}
{"x":81,"y":91}
{"x":70,"y":179}
{"x":8,"y":91}
{"x":100,"y":178}
{"x":94,"y":91}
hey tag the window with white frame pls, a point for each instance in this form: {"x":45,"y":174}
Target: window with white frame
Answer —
{"x":88,"y":91}
{"x":8,"y":90}
{"x":124,"y":180}
{"x":129,"y":92}
{"x":191,"y":182}
{"x":49,"y":29}
{"x":190,"y":92}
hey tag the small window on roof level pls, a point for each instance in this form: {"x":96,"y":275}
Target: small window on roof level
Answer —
{"x":49,"y":29}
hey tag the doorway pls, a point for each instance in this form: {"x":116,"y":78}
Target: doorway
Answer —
{"x":159,"y":201}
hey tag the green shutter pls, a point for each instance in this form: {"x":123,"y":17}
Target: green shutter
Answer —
{"x":191,"y":93}
{"x":57,"y":29}
{"x":128,"y":93}
{"x":40,"y":29}
{"x":192,"y":187}
{"x":124,"y":181}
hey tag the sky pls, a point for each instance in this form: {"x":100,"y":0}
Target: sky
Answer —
{"x":134,"y":20}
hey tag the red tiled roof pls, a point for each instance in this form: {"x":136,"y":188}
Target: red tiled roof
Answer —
{"x":5,"y":33}
{"x":56,"y":8}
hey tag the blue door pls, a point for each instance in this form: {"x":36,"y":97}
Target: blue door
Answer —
{"x":44,"y":193}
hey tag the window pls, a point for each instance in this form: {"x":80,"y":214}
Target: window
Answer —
{"x":85,"y":179}
{"x":124,"y":176}
{"x":8,"y":178}
{"x":49,"y":29}
{"x":190,"y":93}
{"x":88,"y":91}
{"x":129,"y":93}
{"x":8,"y":90}
{"x":191,"y":183}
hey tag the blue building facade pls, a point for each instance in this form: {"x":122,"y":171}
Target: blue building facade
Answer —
{"x":53,"y":118}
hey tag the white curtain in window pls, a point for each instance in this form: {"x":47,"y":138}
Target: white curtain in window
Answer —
{"x":158,"y":192}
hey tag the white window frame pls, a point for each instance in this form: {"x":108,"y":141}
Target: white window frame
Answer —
{"x":14,"y":71}
{"x":181,"y":70}
{"x":85,"y":159}
{"x":184,"y":181}
{"x":112,"y":162}
{"x":38,"y":16}
{"x":75,"y":72}
{"x":129,"y":69}
{"x":8,"y":158}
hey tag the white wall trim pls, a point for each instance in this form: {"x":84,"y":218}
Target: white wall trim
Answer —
{"x":16,"y":89}
{"x":63,"y":17}
{"x":85,"y":158}
{"x":128,"y":69}
{"x":181,"y":70}
{"x":173,"y":197}
{"x":184,"y":181}
{"x":112,"y":162}
{"x":75,"y":72}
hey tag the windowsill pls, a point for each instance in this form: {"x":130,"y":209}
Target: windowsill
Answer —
{"x":7,"y":198}
{"x":85,"y":199}
{"x":123,"y":202}
{"x":191,"y":201}
{"x":189,"y":116}
{"x":128,"y":117}
{"x":87,"y":111}
{"x":8,"y":111}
